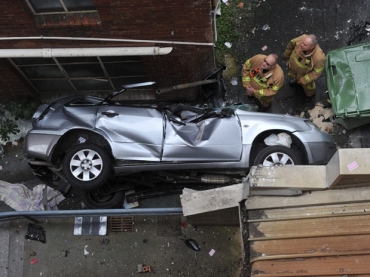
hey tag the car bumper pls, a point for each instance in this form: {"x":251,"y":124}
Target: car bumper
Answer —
{"x":321,"y":152}
{"x":39,"y":146}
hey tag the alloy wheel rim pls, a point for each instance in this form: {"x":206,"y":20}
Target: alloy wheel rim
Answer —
{"x":86,"y":165}
{"x":278,"y":159}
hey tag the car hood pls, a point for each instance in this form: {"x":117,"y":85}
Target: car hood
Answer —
{"x":273,"y":121}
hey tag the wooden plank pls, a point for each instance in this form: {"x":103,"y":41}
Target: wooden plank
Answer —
{"x":336,"y":226}
{"x":300,"y":212}
{"x":310,"y":246}
{"x":329,"y":266}
{"x":350,"y":195}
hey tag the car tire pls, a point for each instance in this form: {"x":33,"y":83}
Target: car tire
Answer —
{"x":277,"y":156}
{"x":87,"y":166}
{"x":93,"y":200}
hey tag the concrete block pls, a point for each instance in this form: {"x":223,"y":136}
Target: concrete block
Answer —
{"x":195,"y":202}
{"x":297,"y":177}
{"x":349,"y":195}
{"x":349,"y":168}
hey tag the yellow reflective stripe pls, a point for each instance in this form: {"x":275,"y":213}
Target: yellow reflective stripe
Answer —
{"x":248,"y":62}
{"x":298,"y":63}
{"x":264,"y":85}
{"x":307,"y":78}
{"x":311,"y":86}
{"x":246,"y":79}
{"x":318,"y":70}
{"x":276,"y":88}
{"x":260,"y":92}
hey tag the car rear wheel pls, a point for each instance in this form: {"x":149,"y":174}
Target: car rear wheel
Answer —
{"x":87,"y":166}
{"x":277,"y":156}
{"x":95,"y":200}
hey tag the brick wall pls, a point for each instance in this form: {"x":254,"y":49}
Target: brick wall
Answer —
{"x":170,"y":20}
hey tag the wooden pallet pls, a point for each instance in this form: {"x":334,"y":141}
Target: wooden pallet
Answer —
{"x":121,"y":223}
{"x":327,"y":240}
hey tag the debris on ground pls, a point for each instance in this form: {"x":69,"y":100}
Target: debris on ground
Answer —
{"x":212,"y":252}
{"x":85,"y":251}
{"x":35,"y":232}
{"x":320,"y":115}
{"x":234,"y":81}
{"x":104,"y":241}
{"x":142,"y":268}
{"x":34,"y":261}
{"x":64,"y":253}
{"x":228,"y":44}
{"x":226,"y":2}
{"x":192,"y":244}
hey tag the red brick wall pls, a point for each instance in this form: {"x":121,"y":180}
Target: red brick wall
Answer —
{"x":170,"y":20}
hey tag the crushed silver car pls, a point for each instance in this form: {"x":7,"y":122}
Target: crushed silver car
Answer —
{"x":87,"y":141}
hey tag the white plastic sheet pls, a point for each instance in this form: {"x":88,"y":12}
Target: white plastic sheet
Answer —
{"x":281,"y":139}
{"x":20,"y":198}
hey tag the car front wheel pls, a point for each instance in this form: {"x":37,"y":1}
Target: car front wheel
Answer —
{"x":87,"y":166}
{"x":277,"y":156}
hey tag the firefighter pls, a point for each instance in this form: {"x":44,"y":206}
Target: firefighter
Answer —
{"x":262,"y":77}
{"x":306,"y":61}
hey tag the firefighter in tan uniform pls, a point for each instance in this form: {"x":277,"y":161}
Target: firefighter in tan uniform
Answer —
{"x":262,"y":77}
{"x":306,"y":62}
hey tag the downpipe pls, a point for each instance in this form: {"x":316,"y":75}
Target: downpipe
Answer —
{"x":183,"y":86}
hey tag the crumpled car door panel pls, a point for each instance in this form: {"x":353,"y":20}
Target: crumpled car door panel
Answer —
{"x":136,"y":133}
{"x":212,"y":139}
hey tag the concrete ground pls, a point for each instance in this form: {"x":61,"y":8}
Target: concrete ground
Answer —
{"x":156,"y":242}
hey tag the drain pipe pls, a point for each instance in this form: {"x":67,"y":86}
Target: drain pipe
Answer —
{"x":108,"y":39}
{"x":183,"y":86}
{"x":84,"y":52}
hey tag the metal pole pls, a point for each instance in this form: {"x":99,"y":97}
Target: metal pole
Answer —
{"x":5,"y":216}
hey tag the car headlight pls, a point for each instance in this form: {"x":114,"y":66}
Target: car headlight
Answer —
{"x":311,"y":124}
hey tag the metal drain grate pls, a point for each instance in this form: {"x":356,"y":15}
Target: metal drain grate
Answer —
{"x":121,"y":223}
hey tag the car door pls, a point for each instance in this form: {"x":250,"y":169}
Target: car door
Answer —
{"x":136,"y":133}
{"x":212,"y":139}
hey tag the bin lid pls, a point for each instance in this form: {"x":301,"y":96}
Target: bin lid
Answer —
{"x":348,"y":80}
